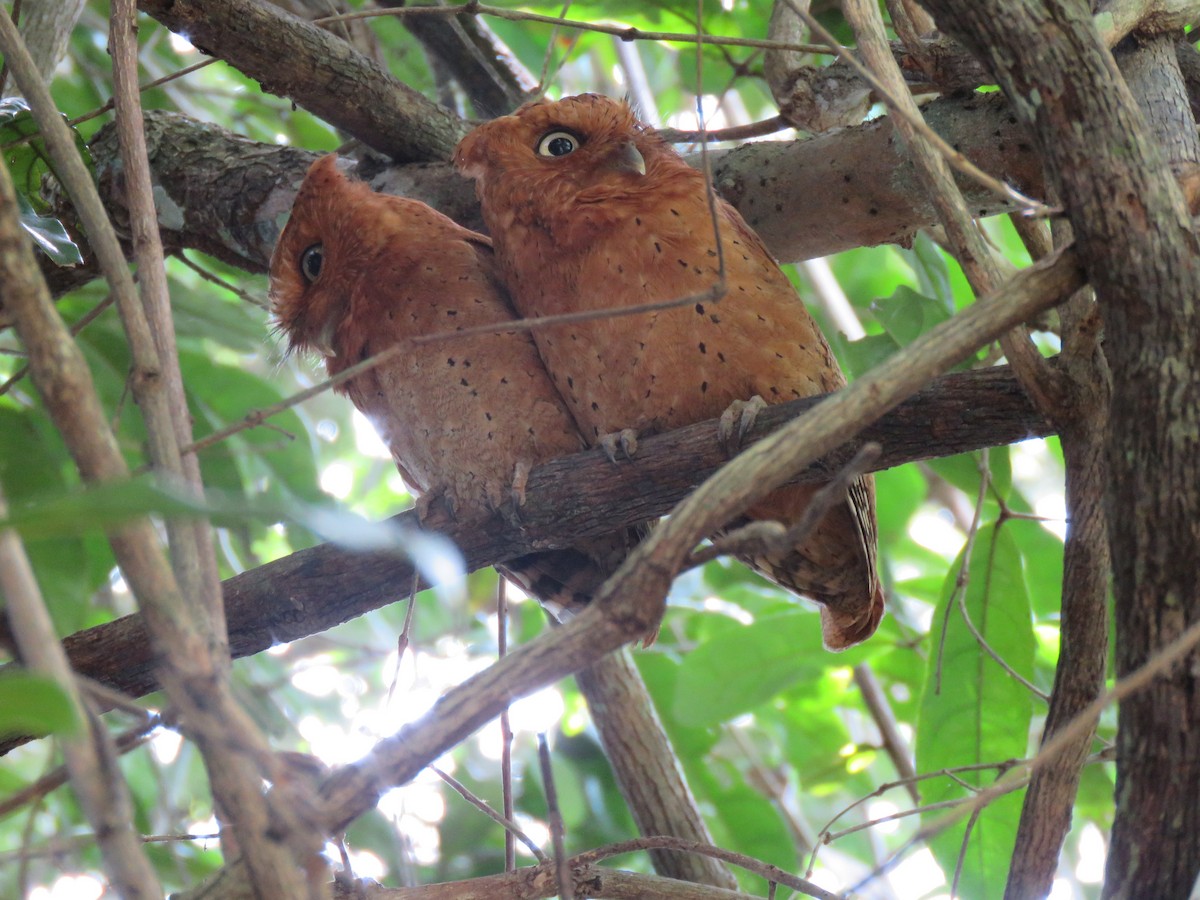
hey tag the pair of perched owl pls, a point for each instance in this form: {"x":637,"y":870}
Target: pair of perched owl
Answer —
{"x":588,"y":210}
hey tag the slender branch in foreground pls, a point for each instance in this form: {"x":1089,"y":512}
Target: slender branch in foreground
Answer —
{"x":952,"y":156}
{"x":567,"y":499}
{"x":179,"y":638}
{"x":90,"y":757}
{"x":624,"y":32}
{"x":631,"y":602}
{"x":510,"y":827}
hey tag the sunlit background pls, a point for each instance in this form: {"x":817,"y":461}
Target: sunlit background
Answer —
{"x":772,"y":774}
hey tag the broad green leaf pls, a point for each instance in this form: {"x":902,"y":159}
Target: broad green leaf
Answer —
{"x":977,"y":712}
{"x":103,"y":505}
{"x":736,"y":671}
{"x":48,"y":235}
{"x":933,"y":275}
{"x":906,"y":314}
{"x":28,"y":160}
{"x":31,"y":704}
{"x":867,"y":352}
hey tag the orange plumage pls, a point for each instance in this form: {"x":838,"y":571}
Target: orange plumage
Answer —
{"x":590,"y":210}
{"x":356,"y":273}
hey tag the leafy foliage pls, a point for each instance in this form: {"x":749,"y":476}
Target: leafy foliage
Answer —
{"x":777,"y":742}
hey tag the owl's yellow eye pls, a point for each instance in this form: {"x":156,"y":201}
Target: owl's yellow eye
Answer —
{"x":557,"y":143}
{"x":311,"y":261}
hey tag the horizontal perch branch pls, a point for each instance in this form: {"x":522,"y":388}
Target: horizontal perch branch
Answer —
{"x":567,"y":499}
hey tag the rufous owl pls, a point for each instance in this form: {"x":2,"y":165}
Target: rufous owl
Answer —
{"x":590,"y":210}
{"x":356,"y":273}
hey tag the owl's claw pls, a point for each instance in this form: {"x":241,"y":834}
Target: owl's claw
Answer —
{"x":426,"y":501}
{"x":624,"y":440}
{"x":736,"y":421}
{"x":519,"y":482}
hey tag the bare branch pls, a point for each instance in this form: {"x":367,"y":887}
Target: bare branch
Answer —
{"x":362,"y":99}
{"x":566,"y":500}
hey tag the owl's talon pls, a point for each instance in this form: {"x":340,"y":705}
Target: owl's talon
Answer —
{"x":736,"y":421}
{"x":624,"y":440}
{"x":520,"y":482}
{"x":425,"y":502}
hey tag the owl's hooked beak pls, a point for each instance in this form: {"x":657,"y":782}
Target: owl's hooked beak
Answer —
{"x":323,"y":340}
{"x":627,"y":158}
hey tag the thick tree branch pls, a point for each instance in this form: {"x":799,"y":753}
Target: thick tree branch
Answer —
{"x":566,"y":500}
{"x":319,"y":71}
{"x":646,"y":767}
{"x":1135,"y":239}
{"x":227,"y":196}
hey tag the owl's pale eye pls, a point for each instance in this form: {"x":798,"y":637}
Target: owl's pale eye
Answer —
{"x":557,"y":143}
{"x":311,"y":261}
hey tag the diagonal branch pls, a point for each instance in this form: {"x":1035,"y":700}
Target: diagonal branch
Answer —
{"x":566,"y":499}
{"x":317,"y":70}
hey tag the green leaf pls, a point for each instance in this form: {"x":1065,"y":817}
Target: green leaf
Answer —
{"x":906,"y":314}
{"x":32,"y":704}
{"x":48,"y":235}
{"x":933,"y":275}
{"x":28,"y":161}
{"x":743,"y":667}
{"x":867,"y":352}
{"x":978,"y":713}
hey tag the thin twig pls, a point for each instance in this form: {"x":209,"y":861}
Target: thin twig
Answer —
{"x":562,"y":865}
{"x":86,"y":319}
{"x":917,"y":123}
{"x":510,"y":827}
{"x":749,"y":863}
{"x":212,"y":277}
{"x":254,"y":418}
{"x":881,"y":712}
{"x":772,"y":535}
{"x":91,"y":760}
{"x":506,"y":734}
{"x":624,"y":32}
{"x":735,"y":133}
{"x":961,"y":581}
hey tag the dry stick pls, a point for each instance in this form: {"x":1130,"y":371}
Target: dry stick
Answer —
{"x":255,"y":418}
{"x":108,"y":107}
{"x":539,"y":882}
{"x":89,"y":753}
{"x":562,"y":865}
{"x":734,"y":133}
{"x":646,"y":766}
{"x":629,"y":603}
{"x":750,"y":864}
{"x":894,"y":743}
{"x":228,"y":739}
{"x":759,"y":535}
{"x":506,"y":734}
{"x":901,"y":103}
{"x":192,"y":554}
{"x":86,"y":319}
{"x":213,"y":278}
{"x":933,"y":158}
{"x":511,"y":828}
{"x":56,"y":778}
{"x":624,"y":32}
